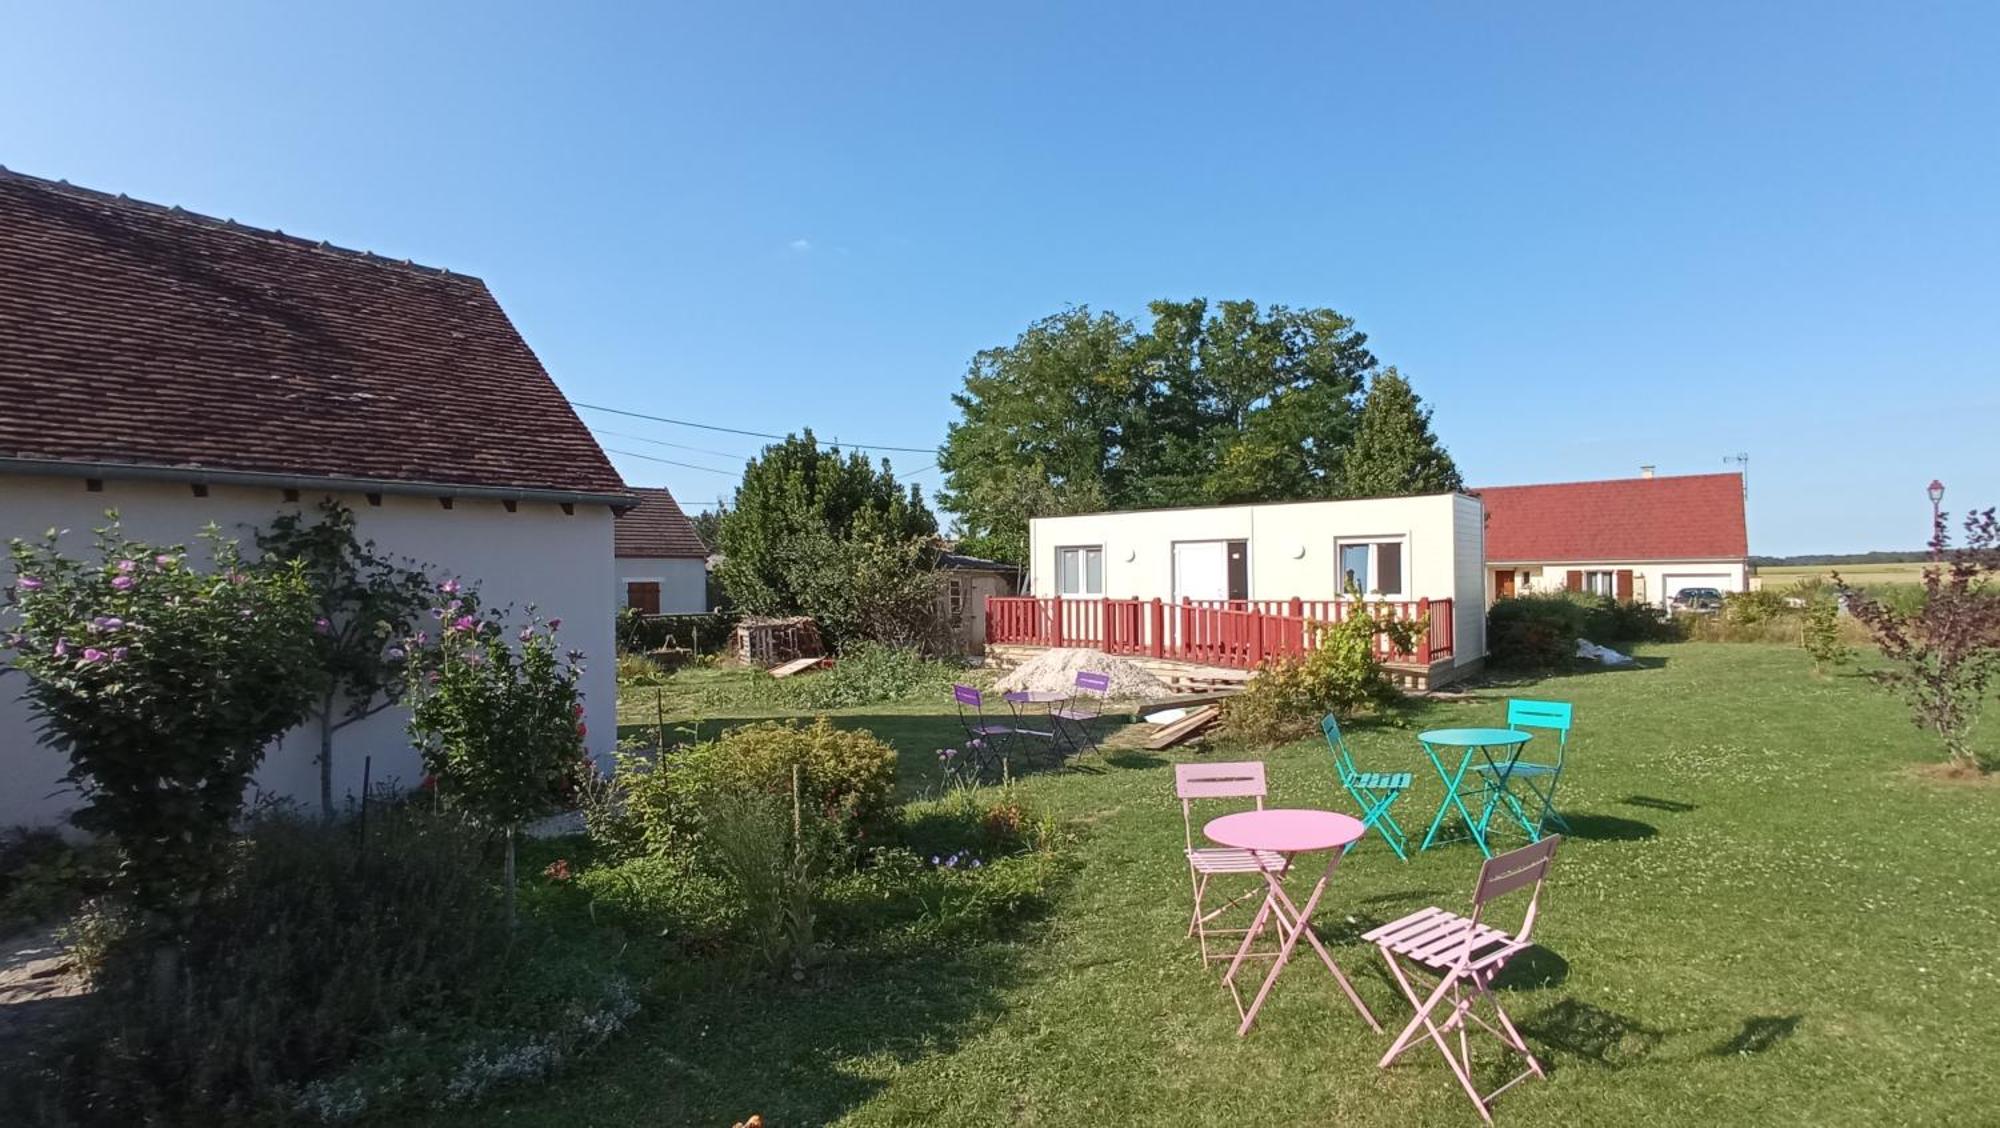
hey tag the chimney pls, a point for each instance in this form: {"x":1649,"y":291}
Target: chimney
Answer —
{"x":1645,"y":471}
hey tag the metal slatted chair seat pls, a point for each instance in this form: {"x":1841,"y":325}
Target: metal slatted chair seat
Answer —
{"x":1438,"y":940}
{"x":1373,"y":792}
{"x":1078,"y":715}
{"x":1235,"y":861}
{"x":1383,"y":781}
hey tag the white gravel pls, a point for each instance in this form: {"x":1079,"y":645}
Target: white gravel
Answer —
{"x":1056,"y":670}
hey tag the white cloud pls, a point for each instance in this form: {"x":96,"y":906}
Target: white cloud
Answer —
{"x":801,"y":245}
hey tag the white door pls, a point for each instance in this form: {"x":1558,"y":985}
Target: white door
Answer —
{"x":1201,"y":570}
{"x":1672,"y":583}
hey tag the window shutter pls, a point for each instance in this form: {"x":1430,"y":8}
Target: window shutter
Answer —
{"x":1624,"y":585}
{"x":1574,"y":581}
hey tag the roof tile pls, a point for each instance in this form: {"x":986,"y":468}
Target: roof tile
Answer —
{"x":656,"y":527}
{"x":1691,"y":517}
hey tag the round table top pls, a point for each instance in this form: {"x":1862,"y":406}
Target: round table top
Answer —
{"x":1286,"y":830}
{"x":1037,"y":695}
{"x":1476,"y":737}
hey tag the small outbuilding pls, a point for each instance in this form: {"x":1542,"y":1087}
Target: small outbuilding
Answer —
{"x":662,"y":562}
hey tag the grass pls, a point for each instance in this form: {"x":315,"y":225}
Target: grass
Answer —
{"x":1766,"y":915}
{"x":1859,"y":575}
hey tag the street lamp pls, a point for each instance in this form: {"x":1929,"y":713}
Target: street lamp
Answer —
{"x":1937,"y":515}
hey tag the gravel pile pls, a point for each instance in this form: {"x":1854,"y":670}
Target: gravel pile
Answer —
{"x":1056,"y":670}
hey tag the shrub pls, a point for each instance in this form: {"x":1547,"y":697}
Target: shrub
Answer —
{"x":847,"y":779}
{"x":320,"y":941}
{"x":1340,"y":675}
{"x":164,"y":684}
{"x":43,"y":877}
{"x":1746,"y":608}
{"x":869,"y":673}
{"x":1538,"y":630}
{"x":699,"y":634}
{"x":1607,"y":620}
{"x":1822,"y":638}
{"x":765,"y":847}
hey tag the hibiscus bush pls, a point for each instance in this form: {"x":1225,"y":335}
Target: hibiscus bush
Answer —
{"x":497,"y":715}
{"x":163,"y":681}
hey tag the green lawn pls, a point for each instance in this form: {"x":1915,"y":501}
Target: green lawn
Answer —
{"x":1766,"y":916}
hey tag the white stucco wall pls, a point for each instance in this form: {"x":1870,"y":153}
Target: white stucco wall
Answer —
{"x":1291,"y":549}
{"x":1649,"y":577}
{"x":683,"y":582}
{"x":537,"y":555}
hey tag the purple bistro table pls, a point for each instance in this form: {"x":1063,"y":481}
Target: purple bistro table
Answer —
{"x":1287,"y":831}
{"x":1043,"y":697}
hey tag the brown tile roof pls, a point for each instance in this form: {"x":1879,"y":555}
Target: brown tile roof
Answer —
{"x":656,"y":527}
{"x":1694,"y":517}
{"x":136,"y":334}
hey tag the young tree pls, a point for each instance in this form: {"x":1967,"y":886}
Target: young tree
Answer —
{"x":164,"y":682}
{"x":1820,"y":637}
{"x":498,"y":717}
{"x":1394,"y":453}
{"x":367,"y":604}
{"x":795,"y":492}
{"x":1947,"y":651}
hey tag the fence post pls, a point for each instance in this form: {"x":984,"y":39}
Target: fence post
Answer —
{"x":1185,"y":640}
{"x":1424,"y":643}
{"x":1056,"y":621}
{"x":1256,"y":637}
{"x":1157,"y":621}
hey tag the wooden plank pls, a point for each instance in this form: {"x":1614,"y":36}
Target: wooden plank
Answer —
{"x":1184,"y":728}
{"x":1187,"y":701}
{"x":798,"y":666}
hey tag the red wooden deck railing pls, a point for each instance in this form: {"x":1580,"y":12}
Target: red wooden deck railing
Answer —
{"x":1238,"y":633}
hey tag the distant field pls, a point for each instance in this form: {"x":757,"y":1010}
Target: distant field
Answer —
{"x":1860,"y":574}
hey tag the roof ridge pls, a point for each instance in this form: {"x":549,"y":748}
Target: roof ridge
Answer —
{"x":1606,"y":481}
{"x":175,"y":211}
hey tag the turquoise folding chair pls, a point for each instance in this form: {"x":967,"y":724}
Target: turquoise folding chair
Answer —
{"x":1538,"y":779}
{"x":1372,"y":791}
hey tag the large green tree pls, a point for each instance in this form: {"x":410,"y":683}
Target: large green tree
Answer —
{"x":1212,"y":403}
{"x":795,"y":495}
{"x":1394,"y":452}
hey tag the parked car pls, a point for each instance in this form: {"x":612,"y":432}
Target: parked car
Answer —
{"x":1700,"y":600}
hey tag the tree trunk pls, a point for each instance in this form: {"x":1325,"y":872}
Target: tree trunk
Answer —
{"x":326,"y":757}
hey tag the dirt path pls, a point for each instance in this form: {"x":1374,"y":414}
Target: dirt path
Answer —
{"x":37,"y":996}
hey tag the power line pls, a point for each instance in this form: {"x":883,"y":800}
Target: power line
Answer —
{"x":664,"y":443}
{"x":670,"y":462}
{"x":740,"y":431}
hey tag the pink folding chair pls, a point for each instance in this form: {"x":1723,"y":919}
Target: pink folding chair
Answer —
{"x":1244,"y":780}
{"x":1465,"y":955}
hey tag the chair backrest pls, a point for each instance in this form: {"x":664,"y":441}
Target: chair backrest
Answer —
{"x":1093,"y":682}
{"x":1343,"y":761}
{"x":1241,"y":779}
{"x":1511,"y":872}
{"x":1523,"y":713}
{"x":966,"y":695}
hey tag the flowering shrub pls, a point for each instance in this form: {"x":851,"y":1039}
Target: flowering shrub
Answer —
{"x":163,"y":682}
{"x":1340,"y":675}
{"x":497,"y":715}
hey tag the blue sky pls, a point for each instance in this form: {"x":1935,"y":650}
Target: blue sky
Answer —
{"x":1593,"y":239}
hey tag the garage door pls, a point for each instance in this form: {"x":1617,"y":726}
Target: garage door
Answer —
{"x":1671,"y":584}
{"x":1201,"y":570}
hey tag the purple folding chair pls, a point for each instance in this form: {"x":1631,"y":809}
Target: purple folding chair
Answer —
{"x":1243,"y":780}
{"x":1085,"y":704}
{"x":986,"y":738}
{"x":1466,"y":955}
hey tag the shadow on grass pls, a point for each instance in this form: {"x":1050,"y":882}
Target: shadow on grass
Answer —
{"x":1672,"y":806}
{"x":1759,"y":1033}
{"x":1602,"y":1038}
{"x":1508,"y":678}
{"x":1607,"y":828}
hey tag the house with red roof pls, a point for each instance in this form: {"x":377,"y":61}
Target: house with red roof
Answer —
{"x":184,"y":370}
{"x":662,"y":564}
{"x":1643,"y":539}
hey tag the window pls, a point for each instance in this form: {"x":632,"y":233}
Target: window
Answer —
{"x":1080,"y":570}
{"x":956,"y":588}
{"x":1601,"y":583}
{"x":1376,"y":567}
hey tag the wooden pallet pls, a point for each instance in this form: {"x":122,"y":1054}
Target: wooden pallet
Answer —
{"x":799,"y":666}
{"x":1186,"y":727}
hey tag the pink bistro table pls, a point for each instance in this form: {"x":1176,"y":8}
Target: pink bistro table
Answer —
{"x":1287,"y":831}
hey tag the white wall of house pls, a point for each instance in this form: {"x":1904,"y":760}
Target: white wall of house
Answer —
{"x":683,"y":582}
{"x":1294,"y":549}
{"x":537,"y":555}
{"x":1653,"y":581}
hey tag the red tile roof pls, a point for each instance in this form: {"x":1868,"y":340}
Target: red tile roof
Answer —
{"x":1695,"y":517}
{"x":136,"y":334}
{"x":656,"y":527}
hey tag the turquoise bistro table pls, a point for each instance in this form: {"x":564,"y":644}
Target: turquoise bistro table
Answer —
{"x":1500,"y":748}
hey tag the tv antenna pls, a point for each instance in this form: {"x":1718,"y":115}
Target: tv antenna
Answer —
{"x":1742,"y":460}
